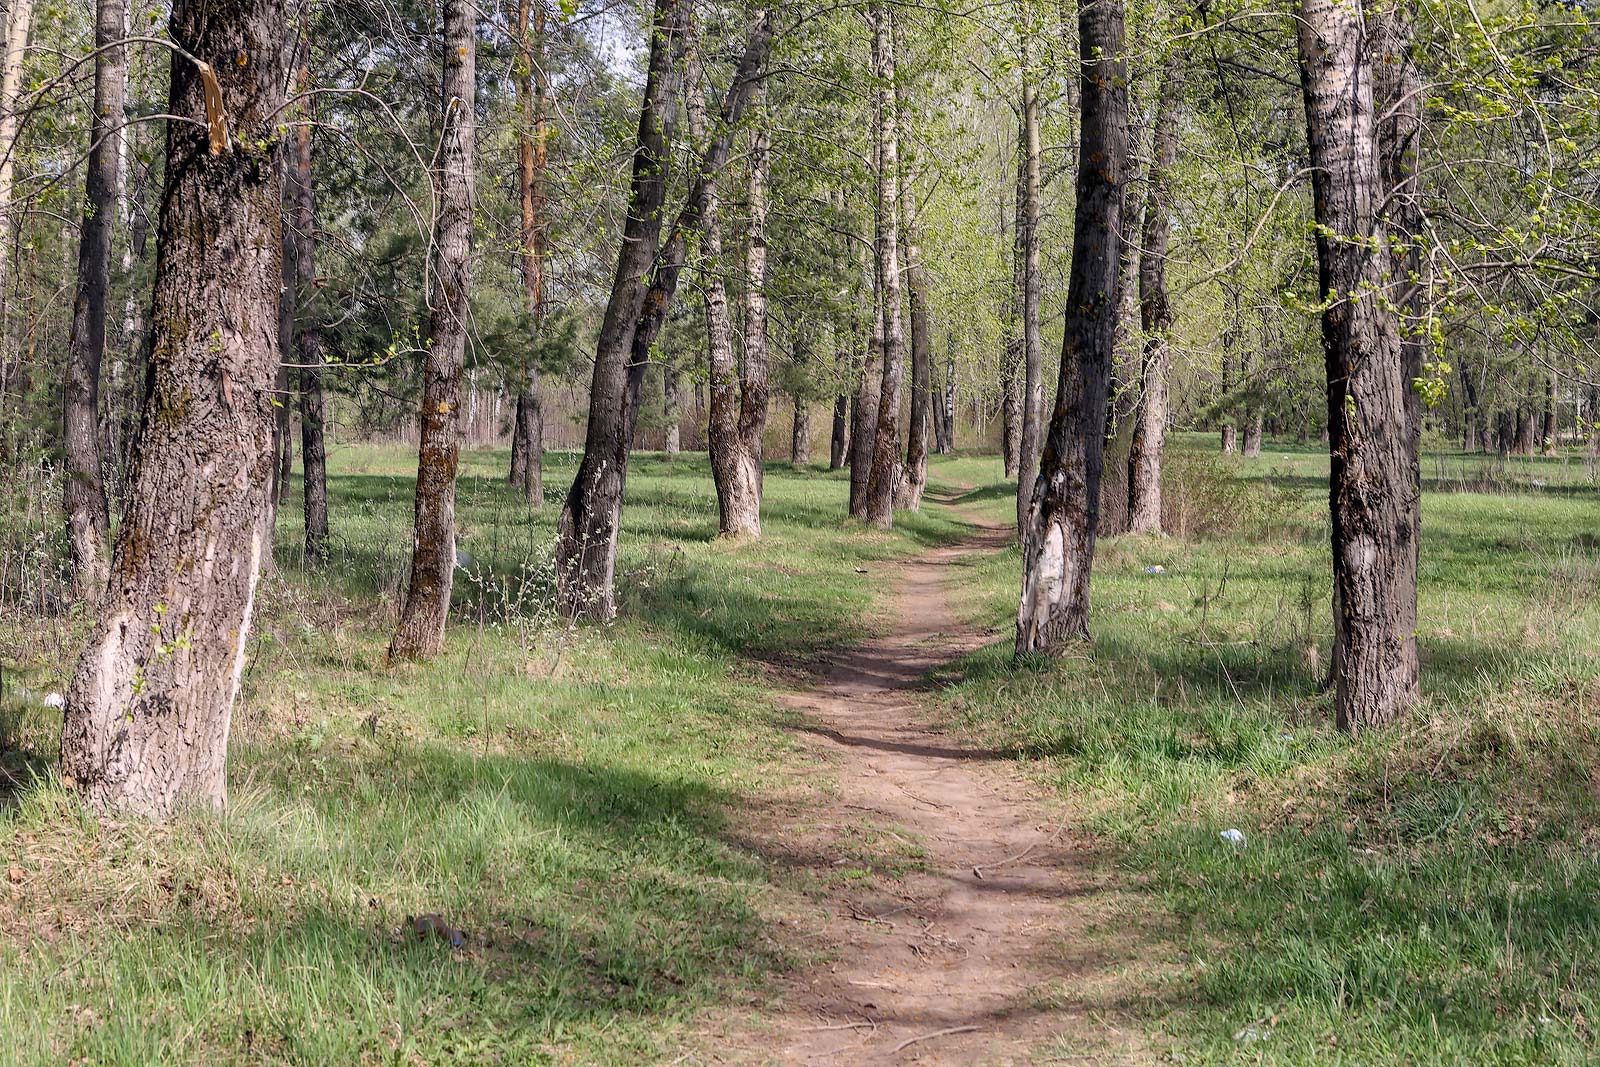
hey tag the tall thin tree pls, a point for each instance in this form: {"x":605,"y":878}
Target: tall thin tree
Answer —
{"x":1028,"y":217}
{"x":308,"y":324}
{"x":533,"y":95}
{"x":420,"y":634}
{"x":878,"y":504}
{"x":88,"y":521}
{"x":1155,"y":310}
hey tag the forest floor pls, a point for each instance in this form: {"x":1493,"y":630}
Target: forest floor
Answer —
{"x":739,"y":825}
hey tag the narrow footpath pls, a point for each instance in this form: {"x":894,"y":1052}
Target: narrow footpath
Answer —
{"x":996,"y":950}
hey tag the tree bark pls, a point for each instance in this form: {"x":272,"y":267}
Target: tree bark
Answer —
{"x":1032,"y":294}
{"x":420,"y":634}
{"x":864,"y":411}
{"x":586,"y":542}
{"x":1063,"y":519}
{"x":800,"y":436}
{"x":308,"y":345}
{"x":1373,"y":480}
{"x":947,"y":412}
{"x":533,"y":90}
{"x":940,"y":391}
{"x":837,"y":438}
{"x":88,"y":520}
{"x":914,"y":477}
{"x":1011,"y":385}
{"x":878,"y":504}
{"x":1155,"y":309}
{"x":587,"y":529}
{"x":149,"y":707}
{"x":738,"y":403}
{"x":18,"y":22}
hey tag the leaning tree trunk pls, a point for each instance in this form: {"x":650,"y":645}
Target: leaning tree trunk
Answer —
{"x":148,"y":710}
{"x":88,"y":521}
{"x":587,"y":529}
{"x":878,"y":503}
{"x":586,"y":533}
{"x":1372,"y":480}
{"x":308,"y":347}
{"x":533,"y":90}
{"x":1155,"y":310}
{"x":1032,"y":294}
{"x":1058,"y":549}
{"x":420,"y":634}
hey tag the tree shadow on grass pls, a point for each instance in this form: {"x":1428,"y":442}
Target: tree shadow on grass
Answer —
{"x":599,"y":903}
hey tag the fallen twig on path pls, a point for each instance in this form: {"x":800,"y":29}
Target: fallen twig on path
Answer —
{"x":908,"y":1042}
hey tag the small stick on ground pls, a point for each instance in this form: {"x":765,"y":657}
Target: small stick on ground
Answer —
{"x":908,"y":1042}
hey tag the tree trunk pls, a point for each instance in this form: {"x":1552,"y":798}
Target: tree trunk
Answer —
{"x":533,"y":90}
{"x":1252,"y":434}
{"x":1155,"y":309}
{"x":837,"y":439}
{"x":1058,"y":550}
{"x":1550,"y":428}
{"x":18,"y":23}
{"x":88,"y":520}
{"x":738,"y":404}
{"x":754,"y":394}
{"x":148,"y":710}
{"x":948,"y":403}
{"x":1230,"y":334}
{"x":878,"y":505}
{"x":914,"y":477}
{"x":1372,"y":476}
{"x":863,"y":413}
{"x":420,"y":634}
{"x":308,"y":347}
{"x":1032,"y":294}
{"x":671,"y":409}
{"x":586,"y":541}
{"x":587,"y":529}
{"x":1013,"y":385}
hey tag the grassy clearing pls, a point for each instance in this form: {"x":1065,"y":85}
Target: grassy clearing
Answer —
{"x":562,"y":796}
{"x":1428,"y":895}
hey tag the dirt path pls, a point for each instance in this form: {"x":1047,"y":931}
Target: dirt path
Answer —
{"x":994,"y":952}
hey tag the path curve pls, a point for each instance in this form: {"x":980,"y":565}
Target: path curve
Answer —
{"x":985,"y":956}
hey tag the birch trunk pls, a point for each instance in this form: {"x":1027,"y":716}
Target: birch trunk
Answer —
{"x":878,"y":503}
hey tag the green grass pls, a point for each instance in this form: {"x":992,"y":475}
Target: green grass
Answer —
{"x":576,"y":801}
{"x":581,"y":802}
{"x":1430,"y":894}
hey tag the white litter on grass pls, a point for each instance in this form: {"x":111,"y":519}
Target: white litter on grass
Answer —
{"x":1251,"y":1034}
{"x":54,"y":700}
{"x":1233,"y":837}
{"x":1155,"y":569}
